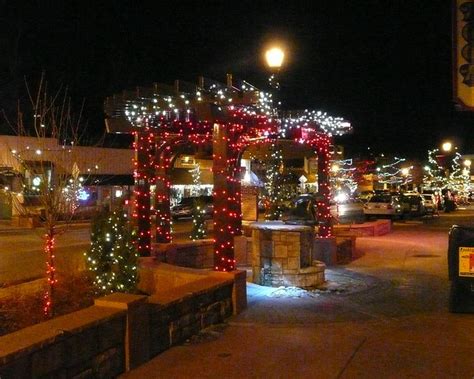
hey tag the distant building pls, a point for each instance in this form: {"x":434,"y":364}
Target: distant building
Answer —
{"x":106,"y":174}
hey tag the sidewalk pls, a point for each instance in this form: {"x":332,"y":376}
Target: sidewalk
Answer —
{"x":386,"y":317}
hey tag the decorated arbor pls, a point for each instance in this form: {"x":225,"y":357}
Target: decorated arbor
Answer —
{"x":229,"y":118}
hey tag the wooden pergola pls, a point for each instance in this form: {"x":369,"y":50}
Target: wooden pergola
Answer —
{"x":227,"y":117}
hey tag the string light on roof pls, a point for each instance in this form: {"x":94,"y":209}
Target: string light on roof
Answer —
{"x":325,"y":122}
{"x":254,"y":122}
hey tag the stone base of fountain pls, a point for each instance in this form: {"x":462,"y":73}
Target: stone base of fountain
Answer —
{"x":282,"y":255}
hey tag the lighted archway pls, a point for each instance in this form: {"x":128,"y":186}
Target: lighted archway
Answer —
{"x":231,"y":119}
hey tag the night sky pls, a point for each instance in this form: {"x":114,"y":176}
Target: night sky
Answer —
{"x":383,"y":65}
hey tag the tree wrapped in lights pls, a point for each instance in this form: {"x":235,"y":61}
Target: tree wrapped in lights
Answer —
{"x":393,"y":174}
{"x":444,"y":171}
{"x":46,"y":120}
{"x":112,"y":258}
{"x":199,"y":212}
{"x":342,"y":178}
{"x":273,"y":183}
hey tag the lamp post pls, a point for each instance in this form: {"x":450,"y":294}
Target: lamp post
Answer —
{"x":274,"y":58}
{"x":442,"y":159}
{"x":405,"y":172}
{"x":447,"y":146}
{"x":447,"y":164}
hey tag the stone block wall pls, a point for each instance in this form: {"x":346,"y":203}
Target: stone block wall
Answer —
{"x":195,"y":254}
{"x":367,"y":229}
{"x":84,"y":344}
{"x":346,"y":249}
{"x":122,"y":331}
{"x":282,"y":255}
{"x":173,"y":319}
{"x":243,"y":250}
{"x":200,"y":254}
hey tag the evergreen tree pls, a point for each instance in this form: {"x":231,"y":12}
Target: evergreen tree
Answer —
{"x":274,"y":182}
{"x":199,"y":222}
{"x":199,"y":211}
{"x":112,"y":257}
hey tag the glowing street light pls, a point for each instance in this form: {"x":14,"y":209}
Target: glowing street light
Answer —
{"x":405,"y":171}
{"x":467,"y":163}
{"x":274,"y":57}
{"x":447,"y":146}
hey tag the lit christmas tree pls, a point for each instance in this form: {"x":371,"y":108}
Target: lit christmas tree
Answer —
{"x":273,"y":183}
{"x":342,"y":179}
{"x":112,"y":257}
{"x":445,"y":171}
{"x":394,"y":174}
{"x":199,"y":212}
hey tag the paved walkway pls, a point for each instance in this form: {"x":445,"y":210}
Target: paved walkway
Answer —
{"x":383,"y":316}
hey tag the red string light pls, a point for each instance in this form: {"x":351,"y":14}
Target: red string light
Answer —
{"x":154,"y":148}
{"x":50,"y":274}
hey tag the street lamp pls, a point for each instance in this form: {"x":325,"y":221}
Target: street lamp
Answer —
{"x":405,"y":171}
{"x":447,"y":146}
{"x":274,"y":58}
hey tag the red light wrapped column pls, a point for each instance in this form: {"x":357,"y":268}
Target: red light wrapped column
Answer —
{"x":50,"y":273}
{"x":224,"y":209}
{"x":162,"y":206}
{"x":144,"y":154}
{"x":236,"y":200}
{"x":324,"y":210}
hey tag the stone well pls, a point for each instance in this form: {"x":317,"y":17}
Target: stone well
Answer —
{"x":282,"y":255}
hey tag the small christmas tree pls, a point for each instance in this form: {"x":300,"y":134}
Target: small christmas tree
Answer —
{"x":112,"y":257}
{"x":273,"y":183}
{"x":199,"y":222}
{"x":199,"y":211}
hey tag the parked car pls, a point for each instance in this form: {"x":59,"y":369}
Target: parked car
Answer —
{"x":383,"y":205}
{"x":431,"y":205}
{"x":413,"y":204}
{"x":365,"y":195}
{"x":303,"y":210}
{"x":186,"y":205}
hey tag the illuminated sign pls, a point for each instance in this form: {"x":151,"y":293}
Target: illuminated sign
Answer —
{"x":466,"y":261}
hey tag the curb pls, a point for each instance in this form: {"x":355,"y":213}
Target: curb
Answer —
{"x":16,"y":230}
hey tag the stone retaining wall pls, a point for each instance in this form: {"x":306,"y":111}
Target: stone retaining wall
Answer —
{"x":84,"y":344}
{"x":174,"y":318}
{"x":346,"y":249}
{"x":122,"y":331}
{"x":367,"y":229}
{"x":196,"y":254}
{"x":283,"y":255}
{"x":199,"y":254}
